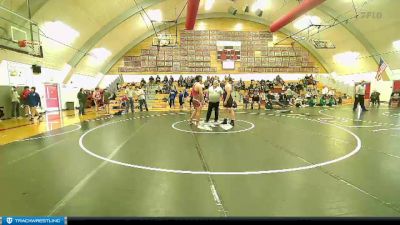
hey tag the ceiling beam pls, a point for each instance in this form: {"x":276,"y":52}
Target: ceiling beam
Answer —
{"x":352,"y":30}
{"x":259,"y":20}
{"x":95,"y":38}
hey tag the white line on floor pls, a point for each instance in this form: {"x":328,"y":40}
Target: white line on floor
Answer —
{"x":86,"y":179}
{"x":35,"y":152}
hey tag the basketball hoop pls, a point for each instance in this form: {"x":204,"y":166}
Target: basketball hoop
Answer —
{"x":24,"y":43}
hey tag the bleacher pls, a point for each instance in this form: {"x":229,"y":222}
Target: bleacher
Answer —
{"x":159,"y":102}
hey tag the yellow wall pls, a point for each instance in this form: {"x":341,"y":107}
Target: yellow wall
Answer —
{"x":224,"y":24}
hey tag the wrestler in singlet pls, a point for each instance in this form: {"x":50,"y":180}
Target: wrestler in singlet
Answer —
{"x":196,"y":95}
{"x":229,"y":103}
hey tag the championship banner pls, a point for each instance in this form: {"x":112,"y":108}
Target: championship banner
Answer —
{"x":32,"y":220}
{"x":228,"y":50}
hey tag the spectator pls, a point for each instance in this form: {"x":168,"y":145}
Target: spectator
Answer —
{"x":165,"y":81}
{"x":106,"y":99}
{"x":82,"y":98}
{"x":256,"y":97}
{"x":130,"y":92}
{"x":34,"y":102}
{"x":142,"y":98}
{"x":142,"y":82}
{"x":181,"y":99}
{"x":375,"y":98}
{"x":24,"y":98}
{"x":180,"y":81}
{"x":172,"y":96}
{"x":14,"y":103}
{"x":158,"y":79}
{"x":97,"y":98}
{"x":151,"y":79}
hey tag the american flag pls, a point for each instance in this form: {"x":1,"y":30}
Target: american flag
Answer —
{"x":381,"y":69}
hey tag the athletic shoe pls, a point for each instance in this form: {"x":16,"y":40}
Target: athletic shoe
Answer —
{"x":225,"y":121}
{"x":204,"y":127}
{"x":232,"y":123}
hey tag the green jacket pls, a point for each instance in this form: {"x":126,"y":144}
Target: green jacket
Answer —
{"x":82,"y":97}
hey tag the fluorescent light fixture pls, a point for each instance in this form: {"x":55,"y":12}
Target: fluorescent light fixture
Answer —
{"x":396,"y":45}
{"x":347,"y":58}
{"x":238,"y":27}
{"x":305,"y":21}
{"x":201,"y":26}
{"x":155,"y":15}
{"x":209,"y":4}
{"x":60,"y":31}
{"x":99,"y":55}
{"x":260,"y":4}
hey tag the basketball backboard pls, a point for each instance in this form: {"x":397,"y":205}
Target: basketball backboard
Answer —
{"x":19,"y":34}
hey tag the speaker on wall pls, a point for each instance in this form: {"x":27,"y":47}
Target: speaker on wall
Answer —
{"x":36,"y":69}
{"x":259,"y":12}
{"x":232,"y":10}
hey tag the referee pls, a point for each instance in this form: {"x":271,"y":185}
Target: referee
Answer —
{"x":214,"y":95}
{"x":359,"y":97}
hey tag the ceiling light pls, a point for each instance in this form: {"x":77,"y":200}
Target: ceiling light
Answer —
{"x":396,"y":45}
{"x":238,"y":27}
{"x":155,"y":15}
{"x":305,"y":21}
{"x":60,"y":31}
{"x":209,"y":4}
{"x":260,"y":4}
{"x":347,"y":58}
{"x":201,"y":26}
{"x":99,"y":55}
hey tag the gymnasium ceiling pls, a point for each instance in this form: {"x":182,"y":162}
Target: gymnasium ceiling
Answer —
{"x":117,"y":26}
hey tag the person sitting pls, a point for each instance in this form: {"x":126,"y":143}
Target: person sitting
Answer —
{"x":158,"y":79}
{"x":180,"y":81}
{"x":322,"y":101}
{"x":331,"y":101}
{"x":394,"y":97}
{"x":312,"y":101}
{"x":279,"y":81}
{"x":142,"y":82}
{"x":151,"y":79}
{"x":165,"y":81}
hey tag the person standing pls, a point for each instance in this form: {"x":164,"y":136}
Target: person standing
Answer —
{"x":106,"y":99}
{"x":14,"y":103}
{"x":97,"y":98}
{"x":214,"y":95}
{"x":228,"y":103}
{"x":172,"y":96}
{"x":142,"y":98}
{"x":24,"y":98}
{"x":82,"y":98}
{"x":130,"y":92}
{"x":198,"y":100}
{"x":359,"y":97}
{"x":34,"y":102}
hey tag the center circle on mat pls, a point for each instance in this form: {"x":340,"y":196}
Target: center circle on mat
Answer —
{"x":156,"y":169}
{"x":177,"y":126}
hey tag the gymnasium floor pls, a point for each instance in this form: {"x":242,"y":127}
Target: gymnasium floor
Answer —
{"x":310,"y":162}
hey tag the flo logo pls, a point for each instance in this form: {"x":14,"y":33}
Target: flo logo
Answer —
{"x":9,"y":220}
